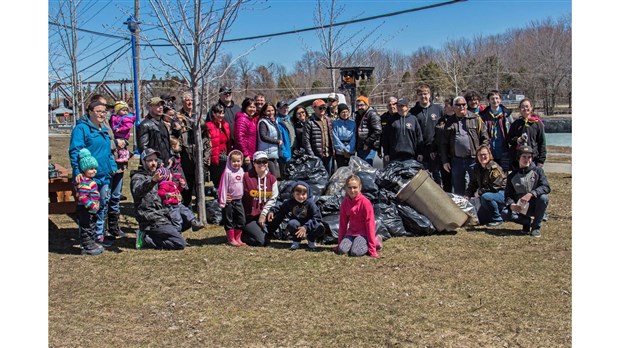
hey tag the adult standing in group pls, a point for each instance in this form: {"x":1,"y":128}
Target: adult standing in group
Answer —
{"x":487,"y":184}
{"x":527,"y":185}
{"x":528,"y":130}
{"x":332,"y":106}
{"x":392,"y":111}
{"x":245,"y":131}
{"x":317,"y":138}
{"x":473,"y":102}
{"x":259,"y":101}
{"x":403,"y":137}
{"x":187,"y":118}
{"x":428,"y":114}
{"x":368,"y":134}
{"x":299,"y":118}
{"x":260,"y":191}
{"x":230,"y":108}
{"x":463,"y":134}
{"x":269,"y":139}
{"x":92,"y":134}
{"x":498,"y":119}
{"x":344,"y":136}
{"x":287,"y":132}
{"x":448,"y":112}
{"x":156,"y":229}
{"x":152,"y":132}
{"x":221,"y":143}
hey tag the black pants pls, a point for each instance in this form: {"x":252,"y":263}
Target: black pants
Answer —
{"x":216,"y":173}
{"x":233,"y":215}
{"x":164,"y":237}
{"x":181,"y":215}
{"x":311,"y":235}
{"x":87,"y":225}
{"x":254,"y":234}
{"x":342,"y":161}
{"x":189,"y":168}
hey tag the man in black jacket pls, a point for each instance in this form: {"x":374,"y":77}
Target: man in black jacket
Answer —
{"x":317,"y":137}
{"x":526,"y":194}
{"x":369,"y":130}
{"x":156,"y":228}
{"x":152,"y":132}
{"x":428,"y":114}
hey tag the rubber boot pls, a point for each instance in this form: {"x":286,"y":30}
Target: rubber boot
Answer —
{"x":238,"y":238}
{"x":230,"y":235}
{"x":113,"y":228}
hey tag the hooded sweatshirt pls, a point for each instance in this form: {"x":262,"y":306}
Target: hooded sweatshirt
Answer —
{"x":306,"y":212}
{"x":403,"y":137}
{"x":231,"y":182}
{"x":357,"y":218}
{"x":259,"y":194}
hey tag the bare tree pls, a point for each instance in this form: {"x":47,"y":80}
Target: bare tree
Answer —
{"x":245,"y":68}
{"x":453,"y":60}
{"x":195,"y":31}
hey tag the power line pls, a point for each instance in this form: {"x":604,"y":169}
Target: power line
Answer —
{"x":90,"y":31}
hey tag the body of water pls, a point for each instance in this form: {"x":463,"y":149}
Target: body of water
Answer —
{"x":559,"y":139}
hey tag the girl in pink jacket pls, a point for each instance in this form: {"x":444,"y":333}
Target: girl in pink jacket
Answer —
{"x":356,"y":232}
{"x":230,"y":192}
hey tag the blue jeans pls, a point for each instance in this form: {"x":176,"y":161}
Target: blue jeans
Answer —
{"x":460,"y":167}
{"x":104,"y":196}
{"x":367,"y":155}
{"x":537,"y":209}
{"x":116,"y":187}
{"x":490,"y":207}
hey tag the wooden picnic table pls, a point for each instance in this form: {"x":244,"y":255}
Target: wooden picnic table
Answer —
{"x":61,"y":193}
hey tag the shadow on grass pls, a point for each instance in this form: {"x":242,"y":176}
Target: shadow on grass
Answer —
{"x":67,"y":240}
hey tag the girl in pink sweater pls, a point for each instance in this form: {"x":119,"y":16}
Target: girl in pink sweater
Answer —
{"x":230,"y":192}
{"x":356,"y":232}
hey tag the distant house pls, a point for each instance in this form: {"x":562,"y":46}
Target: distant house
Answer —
{"x":512,"y":96}
{"x":61,"y":115}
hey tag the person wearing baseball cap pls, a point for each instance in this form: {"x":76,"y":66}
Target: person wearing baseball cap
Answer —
{"x":402,"y":136}
{"x":332,"y":106}
{"x":156,"y":229}
{"x":230,"y":109}
{"x":526,"y":194}
{"x":317,"y":139}
{"x":152,"y":132}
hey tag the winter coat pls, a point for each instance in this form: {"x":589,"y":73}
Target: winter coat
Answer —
{"x":268,"y":138}
{"x":221,"y":142}
{"x":344,"y":136}
{"x":476,"y":129}
{"x":153,"y":134}
{"x":148,"y":206}
{"x":403,"y":137}
{"x":535,"y":130}
{"x":526,"y":180}
{"x":245,"y":134}
{"x":287,"y":133}
{"x":505,"y":120}
{"x":490,"y":178}
{"x":121,"y":125}
{"x":313,"y":140}
{"x":306,"y":212}
{"x":368,"y":129}
{"x":97,"y":141}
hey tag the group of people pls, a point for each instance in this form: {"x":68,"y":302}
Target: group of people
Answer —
{"x":477,"y":152}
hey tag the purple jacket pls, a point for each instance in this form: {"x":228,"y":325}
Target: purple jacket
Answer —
{"x":245,"y":134}
{"x":121,"y":125}
{"x":231,"y":182}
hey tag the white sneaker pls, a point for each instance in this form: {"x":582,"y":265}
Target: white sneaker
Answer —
{"x":295,"y":246}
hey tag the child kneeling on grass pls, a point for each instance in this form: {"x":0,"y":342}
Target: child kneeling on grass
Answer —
{"x":356,"y":232}
{"x":230,"y":192}
{"x":305,"y":217}
{"x":88,"y":204}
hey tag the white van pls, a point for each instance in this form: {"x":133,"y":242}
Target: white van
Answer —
{"x":307,"y":100}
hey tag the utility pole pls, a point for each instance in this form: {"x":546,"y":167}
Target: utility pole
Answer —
{"x":136,"y":14}
{"x":132,"y":25}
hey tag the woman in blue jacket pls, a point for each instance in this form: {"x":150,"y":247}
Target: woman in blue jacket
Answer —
{"x":91,"y":133}
{"x":343,"y":130}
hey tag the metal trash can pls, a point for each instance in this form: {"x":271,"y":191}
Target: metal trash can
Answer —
{"x":429,"y":199}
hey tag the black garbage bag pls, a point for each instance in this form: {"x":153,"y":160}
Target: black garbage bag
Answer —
{"x":329,"y":205}
{"x":285,"y":189}
{"x":214,"y":212}
{"x":336,"y":182}
{"x":331,"y":224}
{"x":397,"y":173}
{"x":414,"y":222}
{"x":386,"y":196}
{"x":309,"y":169}
{"x":390,"y":220}
{"x":369,"y":187}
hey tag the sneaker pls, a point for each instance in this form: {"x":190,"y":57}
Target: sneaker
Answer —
{"x":545,"y":217}
{"x":197,"y":225}
{"x":536,"y":232}
{"x":495,"y":223}
{"x":295,"y":246}
{"x":139,"y":239}
{"x":311,"y":246}
{"x":95,"y":250}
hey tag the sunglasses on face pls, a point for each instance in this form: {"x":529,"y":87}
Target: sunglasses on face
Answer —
{"x":261,"y":161}
{"x":460,"y":105}
{"x":322,"y":108}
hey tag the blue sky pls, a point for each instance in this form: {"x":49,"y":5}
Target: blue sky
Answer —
{"x":404,"y":33}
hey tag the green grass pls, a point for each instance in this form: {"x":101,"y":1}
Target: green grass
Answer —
{"x":476,"y":288}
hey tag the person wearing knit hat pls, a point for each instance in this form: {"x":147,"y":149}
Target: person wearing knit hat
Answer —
{"x":88,"y":204}
{"x":122,"y":121}
{"x":368,"y":130}
{"x":343,"y":130}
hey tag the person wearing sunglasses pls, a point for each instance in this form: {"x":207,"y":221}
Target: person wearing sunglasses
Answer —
{"x":317,"y":138}
{"x":230,"y":108}
{"x":463,"y":134}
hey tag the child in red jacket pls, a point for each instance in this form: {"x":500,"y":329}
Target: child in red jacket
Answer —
{"x":356,"y":232}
